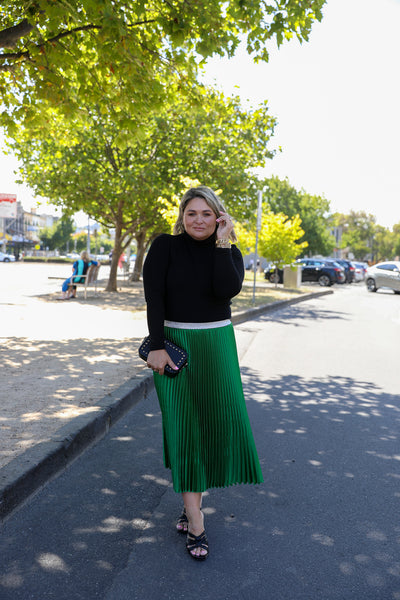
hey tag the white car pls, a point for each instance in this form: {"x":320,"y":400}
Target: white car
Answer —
{"x":6,"y":257}
{"x":384,"y":275}
{"x":360,"y":270}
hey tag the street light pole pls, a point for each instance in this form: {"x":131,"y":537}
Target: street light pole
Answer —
{"x":258,"y":228}
{"x":88,"y":236}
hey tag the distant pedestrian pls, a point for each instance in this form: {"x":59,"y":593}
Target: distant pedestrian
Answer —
{"x":121,"y":260}
{"x":189,"y":280}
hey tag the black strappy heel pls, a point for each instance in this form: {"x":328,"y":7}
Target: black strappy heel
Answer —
{"x":197,"y":541}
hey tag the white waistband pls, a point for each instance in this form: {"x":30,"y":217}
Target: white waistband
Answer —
{"x":209,"y":325}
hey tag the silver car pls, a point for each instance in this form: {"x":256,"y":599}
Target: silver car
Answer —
{"x":4,"y":257}
{"x":384,"y":275}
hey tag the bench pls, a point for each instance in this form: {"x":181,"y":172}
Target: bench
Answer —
{"x":90,"y":279}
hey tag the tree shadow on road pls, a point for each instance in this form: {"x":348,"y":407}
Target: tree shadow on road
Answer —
{"x":299,"y":313}
{"x":331,"y":464}
{"x":322,"y":526}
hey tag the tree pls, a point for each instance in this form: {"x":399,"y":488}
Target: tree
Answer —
{"x":119,"y":54}
{"x":58,"y":236}
{"x":278,"y":239}
{"x":80,"y":241}
{"x":396,"y":240}
{"x":313,"y":211}
{"x":358,"y":231}
{"x":384,"y":244}
{"x":131,"y":188}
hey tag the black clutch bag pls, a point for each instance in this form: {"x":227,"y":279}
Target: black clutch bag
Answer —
{"x":178,"y":356}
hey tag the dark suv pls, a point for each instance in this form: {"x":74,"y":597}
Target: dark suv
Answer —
{"x":349,"y":269}
{"x":326,"y":272}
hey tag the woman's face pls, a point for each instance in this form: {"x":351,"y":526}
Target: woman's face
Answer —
{"x":199,"y":220}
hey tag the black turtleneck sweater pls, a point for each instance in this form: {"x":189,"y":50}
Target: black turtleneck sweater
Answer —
{"x":189,"y":281}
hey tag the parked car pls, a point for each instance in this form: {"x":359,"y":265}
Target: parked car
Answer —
{"x":4,"y":257}
{"x":384,"y":275}
{"x":273,"y":274}
{"x":348,"y":267}
{"x":360,"y":270}
{"x":324,"y":271}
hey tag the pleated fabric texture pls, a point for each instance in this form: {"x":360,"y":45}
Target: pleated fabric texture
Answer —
{"x":208,"y":440}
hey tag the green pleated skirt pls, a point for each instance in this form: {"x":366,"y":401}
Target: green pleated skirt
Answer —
{"x":208,"y":440}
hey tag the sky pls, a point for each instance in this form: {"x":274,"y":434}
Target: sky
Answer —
{"x":337,"y":102}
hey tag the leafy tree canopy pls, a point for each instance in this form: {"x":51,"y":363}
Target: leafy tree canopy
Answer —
{"x":396,"y":240}
{"x":55,"y":54}
{"x":130,"y":188}
{"x":279,"y":238}
{"x":282,"y":197}
{"x":357,"y":232}
{"x":58,"y":235}
{"x":365,"y":239}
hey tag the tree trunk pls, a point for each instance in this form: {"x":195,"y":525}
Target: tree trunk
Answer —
{"x":117,"y":251}
{"x":112,"y":280}
{"x":140,"y":252}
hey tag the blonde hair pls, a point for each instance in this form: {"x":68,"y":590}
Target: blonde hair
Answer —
{"x":202,"y":191}
{"x":85,"y":256}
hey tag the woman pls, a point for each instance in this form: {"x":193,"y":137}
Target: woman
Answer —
{"x":189,"y":280}
{"x":79,"y":268}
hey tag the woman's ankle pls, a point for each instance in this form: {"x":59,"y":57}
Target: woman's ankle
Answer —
{"x":196,"y":520}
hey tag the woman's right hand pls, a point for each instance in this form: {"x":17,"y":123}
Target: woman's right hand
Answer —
{"x":158,"y":359}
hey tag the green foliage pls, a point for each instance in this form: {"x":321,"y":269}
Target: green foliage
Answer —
{"x":93,"y":89}
{"x":131,"y":188}
{"x":313,"y":211}
{"x":80,"y":241}
{"x":57,"y":236}
{"x":47,"y":259}
{"x":396,"y":240}
{"x":384,"y":244}
{"x":357,"y":233}
{"x":279,"y":238}
{"x":126,"y":56}
{"x":365,"y":239}
{"x":246,"y":235}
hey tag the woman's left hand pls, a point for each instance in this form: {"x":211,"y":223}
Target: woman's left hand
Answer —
{"x":158,"y":359}
{"x":225,"y":226}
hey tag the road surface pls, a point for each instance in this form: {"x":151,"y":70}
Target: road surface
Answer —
{"x":322,"y":386}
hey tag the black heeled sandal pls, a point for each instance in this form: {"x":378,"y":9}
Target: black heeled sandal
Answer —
{"x":184,"y":522}
{"x":197,"y":541}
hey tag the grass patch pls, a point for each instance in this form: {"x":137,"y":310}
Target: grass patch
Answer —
{"x":264,"y":295}
{"x":47,"y":259}
{"x":265,"y":292}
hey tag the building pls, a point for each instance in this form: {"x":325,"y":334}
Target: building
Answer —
{"x":22,"y":233}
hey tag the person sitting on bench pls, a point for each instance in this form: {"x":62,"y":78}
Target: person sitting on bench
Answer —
{"x":79,"y":268}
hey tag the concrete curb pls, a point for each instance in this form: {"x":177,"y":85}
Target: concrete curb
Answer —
{"x":252,"y":313}
{"x":28,"y":472}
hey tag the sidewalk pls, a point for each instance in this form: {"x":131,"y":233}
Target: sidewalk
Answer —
{"x":69,"y":371}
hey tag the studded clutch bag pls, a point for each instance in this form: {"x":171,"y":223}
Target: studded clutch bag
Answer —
{"x":177,"y":354}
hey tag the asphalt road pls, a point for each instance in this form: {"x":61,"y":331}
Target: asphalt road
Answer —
{"x":322,"y":383}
